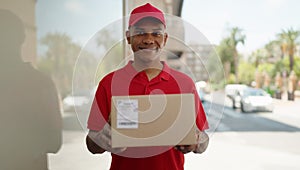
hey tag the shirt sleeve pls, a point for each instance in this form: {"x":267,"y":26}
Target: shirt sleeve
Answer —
{"x":100,"y":109}
{"x":201,"y":120}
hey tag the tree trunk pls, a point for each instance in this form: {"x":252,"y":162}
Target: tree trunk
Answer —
{"x":236,"y":65}
{"x":291,"y":62}
{"x":227,"y":69}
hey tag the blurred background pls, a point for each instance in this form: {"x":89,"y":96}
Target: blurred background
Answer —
{"x":243,"y":56}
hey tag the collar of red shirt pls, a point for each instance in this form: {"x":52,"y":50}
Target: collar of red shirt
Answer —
{"x":164,"y":74}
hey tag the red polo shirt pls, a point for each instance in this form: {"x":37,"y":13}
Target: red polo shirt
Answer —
{"x":127,"y":81}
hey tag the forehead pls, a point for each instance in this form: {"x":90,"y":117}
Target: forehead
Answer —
{"x":149,"y":23}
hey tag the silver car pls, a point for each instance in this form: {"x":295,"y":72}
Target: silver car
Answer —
{"x":253,"y":99}
{"x":80,"y":99}
{"x":233,"y":92}
{"x":76,"y":100}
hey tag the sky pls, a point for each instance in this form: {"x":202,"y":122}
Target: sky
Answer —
{"x":260,"y":20}
{"x":80,"y":19}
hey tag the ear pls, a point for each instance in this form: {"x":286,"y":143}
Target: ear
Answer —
{"x":165,"y":38}
{"x":128,"y":37}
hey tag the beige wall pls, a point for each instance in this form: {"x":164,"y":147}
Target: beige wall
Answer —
{"x":25,"y":9}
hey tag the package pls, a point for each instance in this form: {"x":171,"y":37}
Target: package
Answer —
{"x":153,"y":120}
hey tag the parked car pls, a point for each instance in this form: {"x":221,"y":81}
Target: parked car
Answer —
{"x":201,"y":95}
{"x":233,"y":91}
{"x":80,"y":99}
{"x":202,"y":90}
{"x":253,"y":99}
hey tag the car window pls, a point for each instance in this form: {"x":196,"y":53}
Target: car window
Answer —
{"x":254,"y":92}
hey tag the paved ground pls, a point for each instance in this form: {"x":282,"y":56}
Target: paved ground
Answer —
{"x":248,"y":151}
{"x":255,"y":149}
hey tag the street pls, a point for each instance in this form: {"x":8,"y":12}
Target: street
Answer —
{"x":251,"y":141}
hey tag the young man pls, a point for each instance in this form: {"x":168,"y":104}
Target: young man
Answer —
{"x":143,"y":76}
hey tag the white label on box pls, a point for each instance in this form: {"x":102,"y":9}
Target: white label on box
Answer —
{"x":127,"y":113}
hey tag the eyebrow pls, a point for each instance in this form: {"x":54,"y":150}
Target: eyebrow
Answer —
{"x":155,"y":29}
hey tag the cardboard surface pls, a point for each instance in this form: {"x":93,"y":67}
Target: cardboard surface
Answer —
{"x":153,"y":120}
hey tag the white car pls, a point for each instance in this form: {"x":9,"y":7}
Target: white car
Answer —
{"x":253,"y":99}
{"x":233,"y":91}
{"x":80,"y":99}
{"x":201,"y":95}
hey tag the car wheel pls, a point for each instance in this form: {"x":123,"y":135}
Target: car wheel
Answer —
{"x":242,"y":108}
{"x":233,"y":104}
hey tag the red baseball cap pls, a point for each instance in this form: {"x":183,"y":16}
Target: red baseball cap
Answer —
{"x":144,"y":11}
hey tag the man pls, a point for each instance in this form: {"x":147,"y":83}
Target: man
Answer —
{"x":143,"y":76}
{"x":30,"y":114}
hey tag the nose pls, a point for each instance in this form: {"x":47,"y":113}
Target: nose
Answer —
{"x":148,"y":39}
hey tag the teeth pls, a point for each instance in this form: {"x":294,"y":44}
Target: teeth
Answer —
{"x":147,"y":48}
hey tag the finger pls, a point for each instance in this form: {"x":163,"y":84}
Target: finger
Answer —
{"x":106,"y":140}
{"x":103,"y":141}
{"x":118,"y":150}
{"x":184,"y":151}
{"x":180,"y":148}
{"x":203,"y":137}
{"x":187,"y":149}
{"x":106,"y":130}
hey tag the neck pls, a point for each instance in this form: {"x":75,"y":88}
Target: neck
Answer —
{"x":147,"y":66}
{"x":151,"y":70}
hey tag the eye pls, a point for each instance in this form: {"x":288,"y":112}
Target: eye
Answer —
{"x":157,"y":34}
{"x":140,"y":33}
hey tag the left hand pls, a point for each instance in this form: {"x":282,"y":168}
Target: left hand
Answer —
{"x":200,"y":147}
{"x":186,"y":148}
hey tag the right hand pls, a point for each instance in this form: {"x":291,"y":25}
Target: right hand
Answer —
{"x":103,"y":139}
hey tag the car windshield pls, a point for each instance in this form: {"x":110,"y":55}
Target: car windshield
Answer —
{"x":254,"y":92}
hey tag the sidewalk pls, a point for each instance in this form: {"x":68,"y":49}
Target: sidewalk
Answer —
{"x":280,"y":113}
{"x":74,"y":155}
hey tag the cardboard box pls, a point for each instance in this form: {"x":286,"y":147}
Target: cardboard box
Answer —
{"x":153,"y":120}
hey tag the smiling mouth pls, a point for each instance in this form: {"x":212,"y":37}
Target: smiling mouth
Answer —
{"x":148,"y":49}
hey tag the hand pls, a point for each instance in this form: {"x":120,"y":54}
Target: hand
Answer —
{"x":185,"y":148}
{"x":103,"y":139}
{"x":200,"y":147}
{"x":202,"y":141}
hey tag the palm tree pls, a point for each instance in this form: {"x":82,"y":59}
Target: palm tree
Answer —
{"x":57,"y":47}
{"x":288,"y":41}
{"x":225,"y":53}
{"x":274,"y":50}
{"x":235,"y":38}
{"x":112,"y":51}
{"x":59,"y":59}
{"x":258,"y":56}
